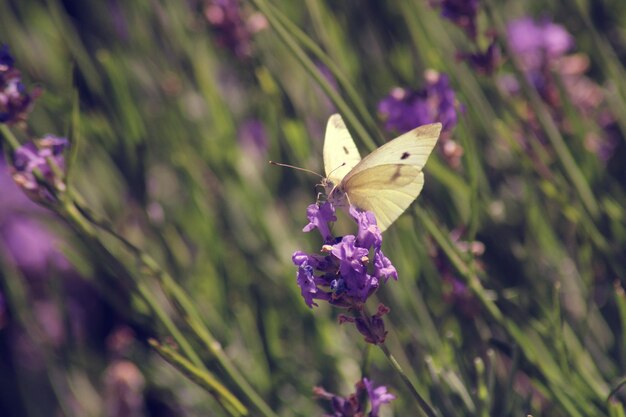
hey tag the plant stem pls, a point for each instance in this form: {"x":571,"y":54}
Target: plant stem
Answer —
{"x":286,"y":36}
{"x":424,"y":406}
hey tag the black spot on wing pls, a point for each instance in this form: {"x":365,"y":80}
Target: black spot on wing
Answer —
{"x":346,"y":150}
{"x":405,"y":155}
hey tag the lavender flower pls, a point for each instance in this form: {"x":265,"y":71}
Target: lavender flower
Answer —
{"x":25,"y":240}
{"x":342,"y":274}
{"x":233,"y":31}
{"x":377,"y":395}
{"x":537,"y":43}
{"x":455,"y":292}
{"x":486,"y":62}
{"x":538,"y":46}
{"x":403,"y":109}
{"x":15,"y":102}
{"x":463,"y":13}
{"x":37,"y":156}
{"x":542,"y":48}
{"x":351,"y":406}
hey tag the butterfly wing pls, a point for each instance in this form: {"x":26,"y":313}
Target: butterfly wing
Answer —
{"x":388,"y":180}
{"x":340,"y":152}
{"x":386,"y":190}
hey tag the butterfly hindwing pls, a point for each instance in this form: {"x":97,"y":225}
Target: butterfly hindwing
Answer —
{"x":340,"y":151}
{"x":386,"y":190}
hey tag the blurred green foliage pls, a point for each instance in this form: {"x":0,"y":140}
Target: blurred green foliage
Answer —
{"x":162,"y":105}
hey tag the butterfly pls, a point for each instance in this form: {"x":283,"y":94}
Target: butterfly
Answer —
{"x":386,"y":181}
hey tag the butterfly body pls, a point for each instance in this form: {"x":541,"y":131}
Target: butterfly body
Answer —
{"x":386,"y":181}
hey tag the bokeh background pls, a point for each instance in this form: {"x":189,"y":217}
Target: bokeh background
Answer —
{"x":511,"y":263}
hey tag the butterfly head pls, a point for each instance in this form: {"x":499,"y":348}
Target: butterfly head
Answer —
{"x":334,"y":193}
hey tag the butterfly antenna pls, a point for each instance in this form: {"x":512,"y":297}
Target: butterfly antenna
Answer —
{"x":298,"y":168}
{"x":336,"y":169}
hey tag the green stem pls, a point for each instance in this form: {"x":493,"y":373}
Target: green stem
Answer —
{"x":310,"y":67}
{"x":346,"y":85}
{"x":186,"y":308}
{"x":85,"y":230}
{"x":473,"y":281}
{"x":203,"y":379}
{"x":9,"y":137}
{"x":425,"y":407}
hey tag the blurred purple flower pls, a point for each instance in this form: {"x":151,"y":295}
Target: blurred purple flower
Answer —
{"x":27,"y":242}
{"x":455,"y":292}
{"x":123,"y":390}
{"x":31,"y":246}
{"x":35,"y":156}
{"x":253,"y":137}
{"x":232,"y":30}
{"x":463,"y":13}
{"x":352,"y":406}
{"x":118,"y":19}
{"x":15,"y":102}
{"x":541,"y":47}
{"x":486,"y":62}
{"x":404,"y":110}
{"x":537,"y":43}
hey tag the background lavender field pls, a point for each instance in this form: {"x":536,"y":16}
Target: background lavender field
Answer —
{"x":163,"y":284}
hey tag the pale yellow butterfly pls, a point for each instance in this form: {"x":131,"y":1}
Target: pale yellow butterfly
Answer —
{"x":386,"y":181}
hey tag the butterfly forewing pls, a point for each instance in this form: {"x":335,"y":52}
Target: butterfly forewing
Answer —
{"x":340,"y":151}
{"x":411,"y":148}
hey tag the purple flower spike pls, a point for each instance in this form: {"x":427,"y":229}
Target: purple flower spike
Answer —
{"x":462,"y":13}
{"x":35,"y":156}
{"x":15,"y":102}
{"x":343,"y":274}
{"x":319,"y":217}
{"x":378,"y":396}
{"x":351,"y":405}
{"x":404,"y":110}
{"x":537,"y":43}
{"x":486,"y":62}
{"x":233,"y":31}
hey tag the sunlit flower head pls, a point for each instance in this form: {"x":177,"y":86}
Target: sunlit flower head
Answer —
{"x":348,"y":269}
